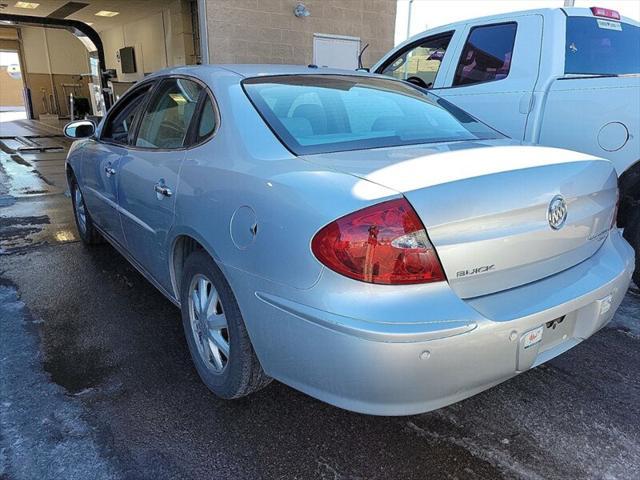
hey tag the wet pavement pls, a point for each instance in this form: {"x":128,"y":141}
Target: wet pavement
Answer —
{"x":96,"y":382}
{"x":34,"y":205}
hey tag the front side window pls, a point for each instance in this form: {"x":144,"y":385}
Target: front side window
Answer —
{"x":330,"y":113}
{"x":420,"y":62}
{"x":486,"y":56}
{"x":597,"y":46}
{"x":119,"y":123}
{"x":166,"y":121}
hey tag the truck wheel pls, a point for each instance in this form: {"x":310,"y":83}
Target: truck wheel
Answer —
{"x":87,"y":231}
{"x":632,"y":235}
{"x":215,"y":331}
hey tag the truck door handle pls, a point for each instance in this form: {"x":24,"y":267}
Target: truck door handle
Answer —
{"x":162,"y":189}
{"x":109,"y":171}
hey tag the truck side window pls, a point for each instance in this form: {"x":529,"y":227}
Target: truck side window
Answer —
{"x":601,"y":47}
{"x":486,"y":55}
{"x":421,"y":60}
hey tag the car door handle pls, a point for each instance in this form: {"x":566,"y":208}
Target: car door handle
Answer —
{"x":163,"y":190}
{"x":109,"y":171}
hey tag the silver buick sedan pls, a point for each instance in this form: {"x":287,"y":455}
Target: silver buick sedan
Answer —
{"x":350,"y":235}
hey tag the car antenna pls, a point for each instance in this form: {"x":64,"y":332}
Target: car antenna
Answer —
{"x":360,"y":55}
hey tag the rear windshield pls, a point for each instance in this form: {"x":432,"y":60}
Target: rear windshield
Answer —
{"x":331,"y":113}
{"x":598,"y":46}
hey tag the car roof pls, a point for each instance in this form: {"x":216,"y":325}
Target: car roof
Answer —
{"x":260,"y":70}
{"x":255,"y":70}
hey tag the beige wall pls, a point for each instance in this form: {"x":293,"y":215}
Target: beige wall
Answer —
{"x":147,"y":38}
{"x":180,"y":42}
{"x":53,"y":51}
{"x":160,"y":40}
{"x":53,"y":57}
{"x":10,"y":89}
{"x":42,"y":85}
{"x":267,"y":31}
{"x":8,"y":33}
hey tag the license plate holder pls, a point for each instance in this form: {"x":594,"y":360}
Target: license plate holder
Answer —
{"x":533,"y":337}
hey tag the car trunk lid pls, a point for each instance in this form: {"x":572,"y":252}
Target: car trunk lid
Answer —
{"x":487,"y":210}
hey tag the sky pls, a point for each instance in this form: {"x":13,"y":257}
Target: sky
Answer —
{"x":427,"y":14}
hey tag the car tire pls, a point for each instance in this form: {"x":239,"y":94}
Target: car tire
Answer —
{"x":87,"y":231}
{"x":632,"y":235}
{"x":208,"y":327}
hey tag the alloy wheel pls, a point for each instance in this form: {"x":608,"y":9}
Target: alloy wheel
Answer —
{"x":208,"y":324}
{"x":81,"y":213}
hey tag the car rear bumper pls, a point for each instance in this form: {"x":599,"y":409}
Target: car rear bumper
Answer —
{"x":442,"y":349}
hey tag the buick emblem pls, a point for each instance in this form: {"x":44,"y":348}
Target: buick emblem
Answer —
{"x":557,"y":212}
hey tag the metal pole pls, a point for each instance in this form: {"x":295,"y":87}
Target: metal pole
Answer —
{"x":569,"y":3}
{"x":55,"y":105}
{"x":409,"y":18}
{"x":204,"y":33}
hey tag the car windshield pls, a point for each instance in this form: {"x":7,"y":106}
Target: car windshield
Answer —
{"x":598,"y":46}
{"x":331,"y":113}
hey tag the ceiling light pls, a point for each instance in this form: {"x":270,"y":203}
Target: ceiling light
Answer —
{"x":106,"y":13}
{"x":29,"y":5}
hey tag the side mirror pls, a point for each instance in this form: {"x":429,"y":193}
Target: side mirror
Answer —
{"x":79,"y":129}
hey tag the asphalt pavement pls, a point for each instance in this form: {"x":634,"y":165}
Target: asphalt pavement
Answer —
{"x":96,"y":382}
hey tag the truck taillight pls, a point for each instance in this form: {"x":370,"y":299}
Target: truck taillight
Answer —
{"x":605,"y":12}
{"x":385,"y":244}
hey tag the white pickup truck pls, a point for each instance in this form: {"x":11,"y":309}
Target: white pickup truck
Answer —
{"x":564,"y":77}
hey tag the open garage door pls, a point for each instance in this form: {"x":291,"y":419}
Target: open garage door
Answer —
{"x":95,"y":49}
{"x":59,"y":59}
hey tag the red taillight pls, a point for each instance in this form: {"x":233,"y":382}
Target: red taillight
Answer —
{"x":385,"y":243}
{"x":605,"y":12}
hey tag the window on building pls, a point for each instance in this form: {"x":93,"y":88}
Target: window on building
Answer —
{"x":486,"y":56}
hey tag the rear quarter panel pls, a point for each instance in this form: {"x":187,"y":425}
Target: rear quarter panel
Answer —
{"x":244,"y":179}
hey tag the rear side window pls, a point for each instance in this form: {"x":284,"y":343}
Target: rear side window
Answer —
{"x":486,"y":56}
{"x":601,"y":47}
{"x":166,"y":121}
{"x":208,"y":120}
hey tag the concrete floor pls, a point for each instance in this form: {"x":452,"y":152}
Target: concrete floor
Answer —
{"x":96,"y":382}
